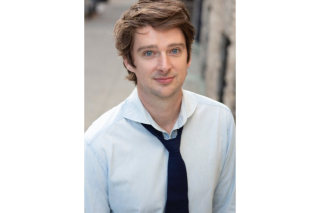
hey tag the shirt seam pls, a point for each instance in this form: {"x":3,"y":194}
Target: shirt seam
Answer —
{"x":216,"y":105}
{"x":89,"y":142}
{"x":102,"y":164}
{"x":107,"y":127}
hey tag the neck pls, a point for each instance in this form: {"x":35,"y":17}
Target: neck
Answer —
{"x":164,"y":112}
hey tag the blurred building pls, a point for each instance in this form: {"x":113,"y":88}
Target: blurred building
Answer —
{"x":214,"y":21}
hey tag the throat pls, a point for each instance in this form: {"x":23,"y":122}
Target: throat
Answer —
{"x":165,"y":115}
{"x":164,"y":112}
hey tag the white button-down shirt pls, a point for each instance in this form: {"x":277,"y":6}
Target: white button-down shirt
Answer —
{"x":126,"y":166}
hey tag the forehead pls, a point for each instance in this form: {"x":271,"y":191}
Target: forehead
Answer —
{"x":146,"y":36}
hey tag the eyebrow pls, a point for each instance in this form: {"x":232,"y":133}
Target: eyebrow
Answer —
{"x":182,"y":45}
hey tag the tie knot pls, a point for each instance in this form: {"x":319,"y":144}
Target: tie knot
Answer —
{"x":172,"y":145}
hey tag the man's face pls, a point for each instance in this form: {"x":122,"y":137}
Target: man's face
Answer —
{"x":161,"y":64}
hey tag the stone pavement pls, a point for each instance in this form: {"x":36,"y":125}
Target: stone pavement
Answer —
{"x":105,"y":83}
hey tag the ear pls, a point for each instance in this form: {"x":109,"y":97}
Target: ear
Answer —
{"x":128,"y":66}
{"x":188,"y":64}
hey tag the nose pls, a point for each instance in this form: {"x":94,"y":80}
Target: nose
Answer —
{"x":164,"y":64}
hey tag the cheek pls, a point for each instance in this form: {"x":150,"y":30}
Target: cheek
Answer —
{"x":181,"y":65}
{"x":145,"y":67}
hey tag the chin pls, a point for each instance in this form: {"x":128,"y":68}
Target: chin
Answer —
{"x":166,"y":93}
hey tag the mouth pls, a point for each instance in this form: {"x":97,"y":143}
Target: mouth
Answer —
{"x":165,"y":80}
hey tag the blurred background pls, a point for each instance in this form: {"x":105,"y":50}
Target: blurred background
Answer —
{"x":211,"y":73}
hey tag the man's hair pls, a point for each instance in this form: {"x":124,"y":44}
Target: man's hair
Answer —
{"x":161,"y":15}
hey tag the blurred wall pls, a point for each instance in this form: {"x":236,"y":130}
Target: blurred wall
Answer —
{"x":214,"y":21}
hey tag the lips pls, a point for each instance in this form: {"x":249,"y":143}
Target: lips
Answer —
{"x":165,"y":80}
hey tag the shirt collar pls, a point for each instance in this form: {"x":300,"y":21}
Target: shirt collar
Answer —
{"x":135,"y":111}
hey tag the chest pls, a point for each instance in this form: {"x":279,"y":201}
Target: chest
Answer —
{"x":137,"y":171}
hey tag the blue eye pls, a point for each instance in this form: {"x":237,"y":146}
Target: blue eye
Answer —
{"x":148,"y":53}
{"x":175,"y":51}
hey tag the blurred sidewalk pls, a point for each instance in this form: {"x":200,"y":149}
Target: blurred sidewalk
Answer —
{"x":105,"y":83}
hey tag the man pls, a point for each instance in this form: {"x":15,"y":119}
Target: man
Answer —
{"x":163,"y":149}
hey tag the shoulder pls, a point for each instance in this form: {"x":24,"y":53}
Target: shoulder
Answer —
{"x":209,"y":110}
{"x":203,"y":101}
{"x":104,"y":122}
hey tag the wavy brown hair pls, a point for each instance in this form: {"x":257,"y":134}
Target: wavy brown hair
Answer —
{"x":161,"y":15}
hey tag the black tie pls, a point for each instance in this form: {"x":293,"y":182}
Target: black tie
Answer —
{"x":177,"y":189}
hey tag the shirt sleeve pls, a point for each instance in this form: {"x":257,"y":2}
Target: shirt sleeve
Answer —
{"x":95,"y":182}
{"x":224,"y":195}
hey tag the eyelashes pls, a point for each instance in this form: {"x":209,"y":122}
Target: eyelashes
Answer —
{"x":150,"y":53}
{"x":175,"y":51}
